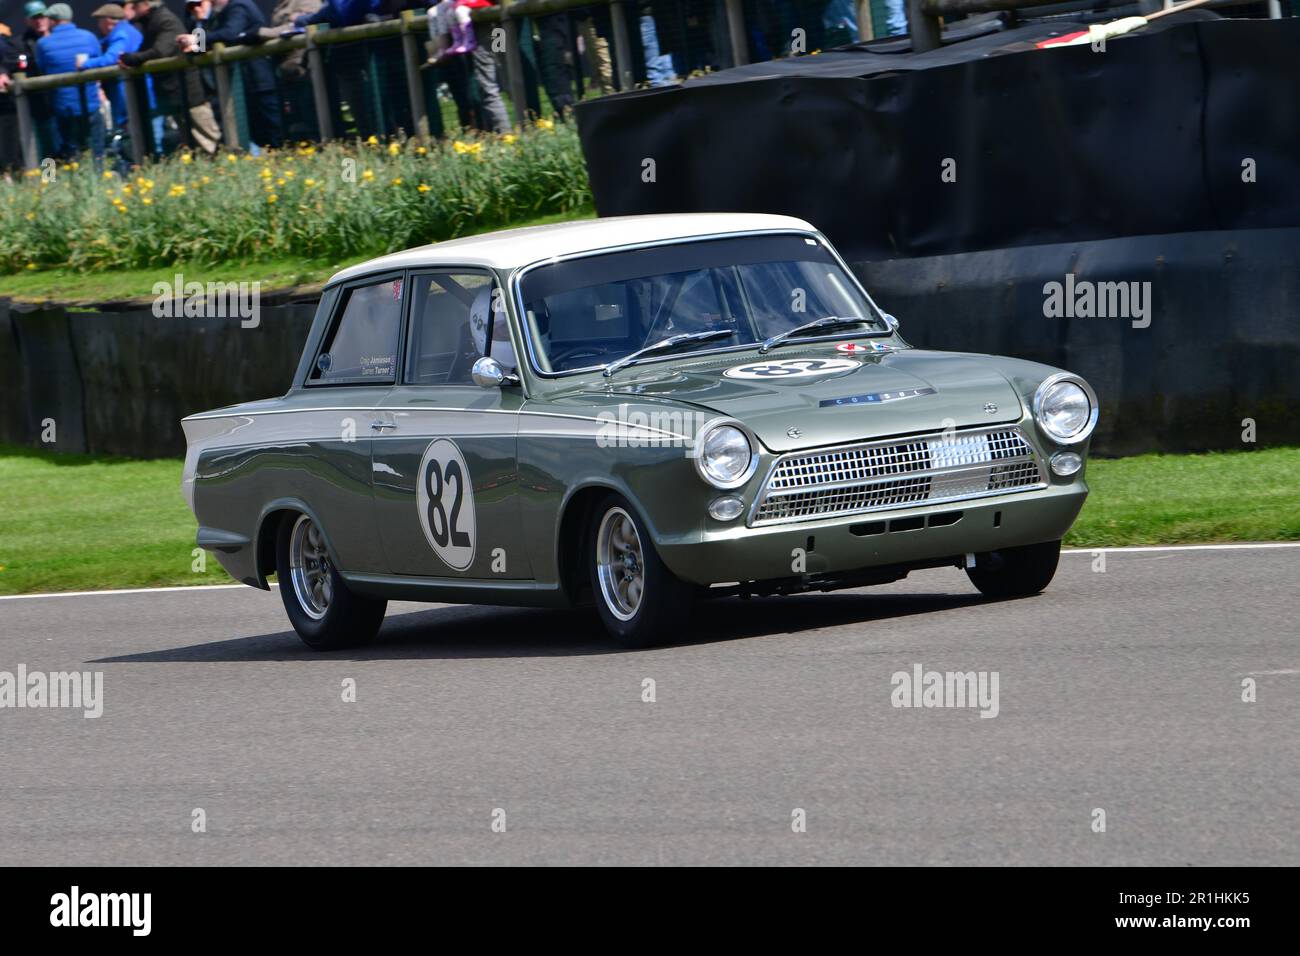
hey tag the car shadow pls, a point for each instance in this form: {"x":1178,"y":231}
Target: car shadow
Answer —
{"x":480,"y":632}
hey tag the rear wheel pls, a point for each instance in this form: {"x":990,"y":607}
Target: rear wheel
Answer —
{"x":323,"y":611}
{"x":640,"y":601}
{"x":1015,"y":572}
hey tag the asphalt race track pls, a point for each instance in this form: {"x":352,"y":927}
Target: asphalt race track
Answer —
{"x":1119,"y":690}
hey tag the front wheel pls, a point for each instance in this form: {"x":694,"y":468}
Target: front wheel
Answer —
{"x":1016,"y":572}
{"x":640,"y":601}
{"x":323,"y":611}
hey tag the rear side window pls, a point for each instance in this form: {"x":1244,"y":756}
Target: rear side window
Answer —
{"x":362,"y":345}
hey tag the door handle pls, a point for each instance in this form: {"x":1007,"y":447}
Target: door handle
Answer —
{"x":380,"y":426}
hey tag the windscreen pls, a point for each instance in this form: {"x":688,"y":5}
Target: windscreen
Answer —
{"x":594,"y":310}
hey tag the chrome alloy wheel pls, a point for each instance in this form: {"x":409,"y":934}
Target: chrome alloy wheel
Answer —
{"x":309,"y":567}
{"x":620,"y":567}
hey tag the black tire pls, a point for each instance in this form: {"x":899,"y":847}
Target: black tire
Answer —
{"x":663,"y":605}
{"x":1015,"y":572}
{"x":348,"y":619}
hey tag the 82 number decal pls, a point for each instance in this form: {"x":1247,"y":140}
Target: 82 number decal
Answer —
{"x":791,"y":368}
{"x":445,"y":501}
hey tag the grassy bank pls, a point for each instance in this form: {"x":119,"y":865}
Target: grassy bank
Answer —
{"x":334,"y":203}
{"x":77,"y":523}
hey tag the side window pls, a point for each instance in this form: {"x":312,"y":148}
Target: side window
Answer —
{"x":362,"y":345}
{"x":456,"y":319}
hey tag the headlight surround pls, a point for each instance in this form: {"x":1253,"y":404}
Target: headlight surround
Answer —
{"x":725,"y":455}
{"x":1065,"y":408}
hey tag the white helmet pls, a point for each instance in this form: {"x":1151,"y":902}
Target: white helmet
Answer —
{"x":479,"y":312}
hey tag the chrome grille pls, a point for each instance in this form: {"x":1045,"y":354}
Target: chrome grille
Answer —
{"x":919,"y":469}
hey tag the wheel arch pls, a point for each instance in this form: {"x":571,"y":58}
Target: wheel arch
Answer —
{"x":573,"y":528}
{"x":269,"y":525}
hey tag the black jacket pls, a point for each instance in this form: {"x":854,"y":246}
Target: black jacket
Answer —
{"x":8,"y":66}
{"x":161,"y":27}
{"x":42,"y":103}
{"x":238,"y":22}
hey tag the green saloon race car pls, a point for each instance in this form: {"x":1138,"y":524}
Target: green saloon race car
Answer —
{"x":632,"y":413}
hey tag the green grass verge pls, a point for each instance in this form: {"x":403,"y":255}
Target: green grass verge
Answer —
{"x":73,"y":522}
{"x":78,"y":523}
{"x":78,"y":287}
{"x":1191,"y":499}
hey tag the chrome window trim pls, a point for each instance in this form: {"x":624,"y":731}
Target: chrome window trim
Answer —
{"x":752,"y":521}
{"x":425,"y":408}
{"x":516,"y":295}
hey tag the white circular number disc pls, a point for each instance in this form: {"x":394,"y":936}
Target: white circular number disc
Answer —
{"x":444,"y":497}
{"x":791,"y":368}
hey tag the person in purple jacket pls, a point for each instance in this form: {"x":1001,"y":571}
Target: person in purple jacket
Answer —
{"x":76,"y":108}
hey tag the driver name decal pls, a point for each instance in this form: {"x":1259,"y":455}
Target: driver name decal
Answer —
{"x":791,"y":368}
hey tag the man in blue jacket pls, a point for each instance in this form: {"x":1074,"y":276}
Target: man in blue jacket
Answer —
{"x":119,"y":37}
{"x":76,"y":108}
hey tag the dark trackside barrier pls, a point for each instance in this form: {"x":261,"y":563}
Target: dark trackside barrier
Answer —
{"x":1219,"y":342}
{"x":983,"y":144}
{"x":118,"y":383}
{"x":1213,"y":340}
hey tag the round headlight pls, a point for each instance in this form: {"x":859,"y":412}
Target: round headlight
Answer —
{"x":1066,"y":409}
{"x":726,"y":459}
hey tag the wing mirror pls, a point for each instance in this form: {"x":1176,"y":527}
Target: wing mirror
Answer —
{"x":488,"y":373}
{"x":892,"y":320}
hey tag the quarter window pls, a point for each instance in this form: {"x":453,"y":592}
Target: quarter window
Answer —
{"x":362,"y":346}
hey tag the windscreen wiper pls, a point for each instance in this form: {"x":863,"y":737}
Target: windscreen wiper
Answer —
{"x":671,"y":342}
{"x":829,"y":322}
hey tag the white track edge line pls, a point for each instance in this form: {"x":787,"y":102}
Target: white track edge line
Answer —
{"x":182,"y":587}
{"x":1189,"y":547}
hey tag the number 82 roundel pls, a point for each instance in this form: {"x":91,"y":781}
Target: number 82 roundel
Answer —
{"x":444,"y":496}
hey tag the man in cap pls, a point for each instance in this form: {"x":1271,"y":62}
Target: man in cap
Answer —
{"x":76,"y":108}
{"x":42,"y":102}
{"x":161,"y":28}
{"x":117,"y":37}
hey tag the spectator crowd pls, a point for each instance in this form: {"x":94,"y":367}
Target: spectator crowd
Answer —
{"x":559,"y":53}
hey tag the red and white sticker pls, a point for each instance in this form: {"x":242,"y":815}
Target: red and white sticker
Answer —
{"x":855,"y":347}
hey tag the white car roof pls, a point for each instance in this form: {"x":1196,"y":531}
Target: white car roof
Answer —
{"x":511,"y":248}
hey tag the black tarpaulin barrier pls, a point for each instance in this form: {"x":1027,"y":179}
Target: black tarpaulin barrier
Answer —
{"x":1217,"y":343}
{"x":1151,"y":136}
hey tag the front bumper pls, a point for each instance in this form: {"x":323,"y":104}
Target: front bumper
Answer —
{"x":734,"y":554}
